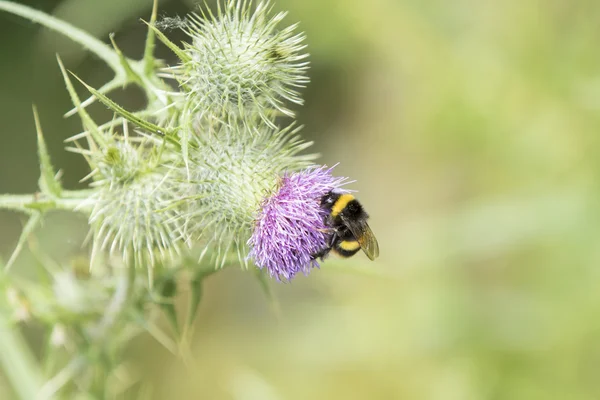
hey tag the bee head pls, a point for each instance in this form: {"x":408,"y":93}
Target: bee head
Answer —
{"x":329,"y":199}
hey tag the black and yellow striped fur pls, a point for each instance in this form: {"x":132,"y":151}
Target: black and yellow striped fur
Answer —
{"x":349,"y":229}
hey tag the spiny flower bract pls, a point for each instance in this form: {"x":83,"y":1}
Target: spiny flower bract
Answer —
{"x":291,"y":227}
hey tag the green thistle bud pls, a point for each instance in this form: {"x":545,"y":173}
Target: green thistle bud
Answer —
{"x":129,"y":208}
{"x":238,"y":65}
{"x":132,"y":218}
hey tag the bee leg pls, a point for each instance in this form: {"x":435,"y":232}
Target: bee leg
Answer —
{"x":334,"y":237}
{"x":321,"y":254}
{"x":327,"y":230}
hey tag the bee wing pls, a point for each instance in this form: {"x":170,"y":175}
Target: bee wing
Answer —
{"x":365,"y":237}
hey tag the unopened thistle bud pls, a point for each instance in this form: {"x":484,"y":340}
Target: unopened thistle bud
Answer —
{"x":130,"y":211}
{"x":239,"y":65}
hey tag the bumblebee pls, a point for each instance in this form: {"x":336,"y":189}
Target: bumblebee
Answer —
{"x":348,"y":226}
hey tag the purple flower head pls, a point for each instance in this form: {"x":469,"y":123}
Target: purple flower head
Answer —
{"x":291,"y":226}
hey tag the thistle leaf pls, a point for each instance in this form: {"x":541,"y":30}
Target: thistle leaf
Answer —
{"x":131,"y":74}
{"x":88,"y":122}
{"x":167,"y":293}
{"x":161,"y":337}
{"x":48,"y":182}
{"x":139,"y":122}
{"x":182,"y":55}
{"x":195,"y":297}
{"x":263,"y":280}
{"x":150,"y":42}
{"x":107,"y":87}
{"x":168,"y":308}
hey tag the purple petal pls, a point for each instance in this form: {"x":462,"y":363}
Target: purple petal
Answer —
{"x":291,"y":224}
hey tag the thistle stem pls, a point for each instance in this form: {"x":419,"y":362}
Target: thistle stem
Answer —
{"x":54,"y":385}
{"x":38,"y":202}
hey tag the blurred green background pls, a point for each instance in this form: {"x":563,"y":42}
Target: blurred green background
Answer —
{"x":471,"y":128}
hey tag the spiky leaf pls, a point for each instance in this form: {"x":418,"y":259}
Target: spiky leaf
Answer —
{"x":88,"y":122}
{"x":180,"y":53}
{"x":134,"y":119}
{"x":196,"y":290}
{"x":48,"y":182}
{"x":167,"y":291}
{"x":125,"y":62}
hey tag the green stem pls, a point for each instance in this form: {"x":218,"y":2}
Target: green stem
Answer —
{"x":77,"y":194}
{"x":54,"y":385}
{"x":30,"y":202}
{"x":150,"y":42}
{"x":94,"y":45}
{"x":17,"y":361}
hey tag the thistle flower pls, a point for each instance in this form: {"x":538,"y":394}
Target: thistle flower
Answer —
{"x":291,"y":226}
{"x":239,"y":65}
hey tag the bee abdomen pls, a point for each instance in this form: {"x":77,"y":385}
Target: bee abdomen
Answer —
{"x":346,"y":248}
